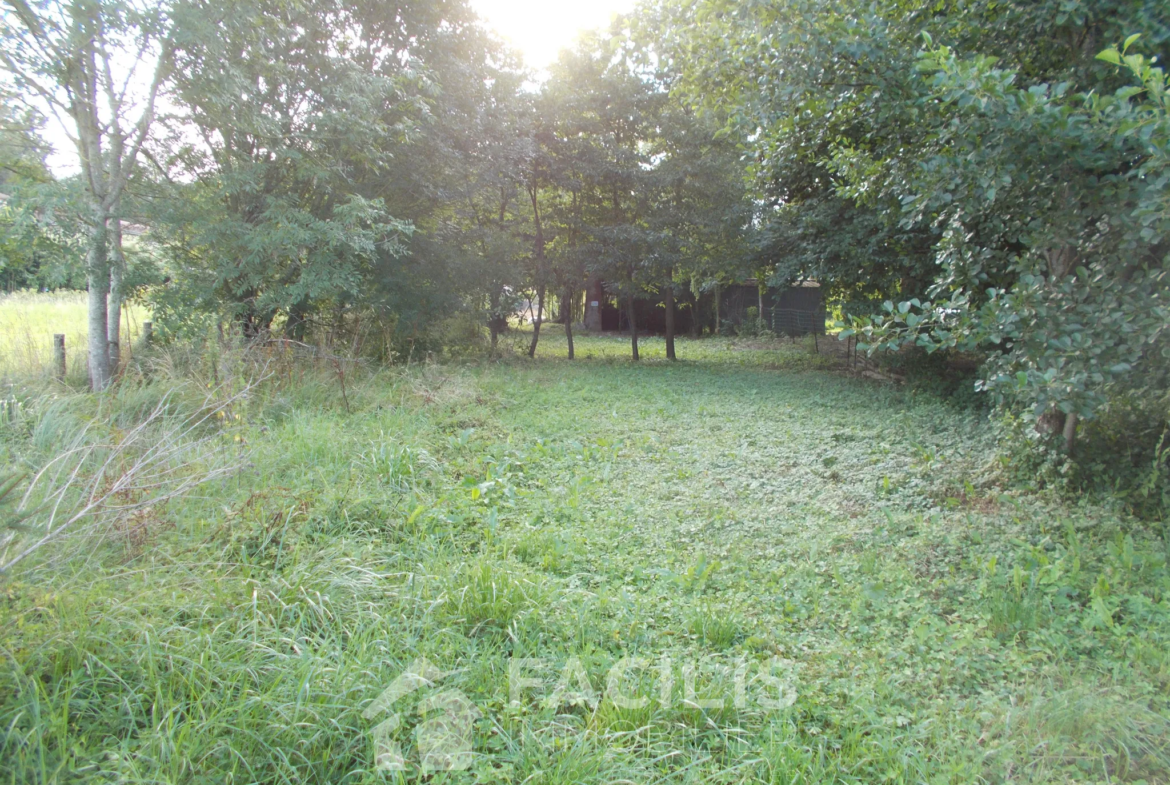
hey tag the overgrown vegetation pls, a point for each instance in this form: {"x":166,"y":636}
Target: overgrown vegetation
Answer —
{"x":931,"y":623}
{"x":352,"y":455}
{"x":987,"y":178}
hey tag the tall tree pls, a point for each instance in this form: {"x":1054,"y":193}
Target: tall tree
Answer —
{"x":98,"y":65}
{"x":609,"y":107}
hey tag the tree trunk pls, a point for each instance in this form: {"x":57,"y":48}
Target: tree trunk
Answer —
{"x":98,"y":281}
{"x":114,"y":307}
{"x":595,"y":293}
{"x":760,"y":291}
{"x":568,"y":314}
{"x":493,"y":320}
{"x":633,"y":327}
{"x":668,"y":297}
{"x":536,"y":322}
{"x":294,"y":327}
{"x":1070,"y":432}
{"x":718,"y":327}
{"x":539,"y":253}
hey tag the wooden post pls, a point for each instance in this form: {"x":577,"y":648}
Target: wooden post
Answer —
{"x":147,"y":332}
{"x":59,"y":355}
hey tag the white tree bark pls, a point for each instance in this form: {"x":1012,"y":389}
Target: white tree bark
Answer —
{"x":98,"y":280}
{"x":117,"y":265}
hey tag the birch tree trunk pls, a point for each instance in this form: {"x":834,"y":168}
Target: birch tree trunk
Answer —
{"x":97,"y":275}
{"x":117,"y":265}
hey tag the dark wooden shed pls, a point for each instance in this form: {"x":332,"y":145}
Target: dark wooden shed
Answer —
{"x":795,"y":310}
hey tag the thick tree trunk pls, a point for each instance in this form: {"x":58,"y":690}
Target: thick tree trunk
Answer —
{"x":567,"y":313}
{"x":633,"y":327}
{"x":537,"y":321}
{"x":593,"y":294}
{"x":668,"y":297}
{"x":98,"y":281}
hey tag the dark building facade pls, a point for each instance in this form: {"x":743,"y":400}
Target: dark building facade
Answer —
{"x":795,"y":310}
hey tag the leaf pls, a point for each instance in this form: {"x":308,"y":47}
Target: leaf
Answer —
{"x":1110,"y":55}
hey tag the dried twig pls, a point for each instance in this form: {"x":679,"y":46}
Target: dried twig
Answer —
{"x":91,"y":487}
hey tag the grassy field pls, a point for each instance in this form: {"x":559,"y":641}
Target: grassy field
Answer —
{"x":28,"y":321}
{"x":799,"y":575}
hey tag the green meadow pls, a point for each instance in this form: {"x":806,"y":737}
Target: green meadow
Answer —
{"x":29,"y":320}
{"x":802,"y":576}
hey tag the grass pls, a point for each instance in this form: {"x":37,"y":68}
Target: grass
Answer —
{"x":751,"y":506}
{"x":28,"y":322}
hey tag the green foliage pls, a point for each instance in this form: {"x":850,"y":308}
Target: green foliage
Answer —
{"x":41,"y":234}
{"x":978,"y":178}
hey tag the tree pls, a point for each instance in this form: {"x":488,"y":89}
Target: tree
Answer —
{"x":290,"y":107}
{"x":1084,"y":299}
{"x":101,"y":64}
{"x":608,"y":107}
{"x":984,"y":182}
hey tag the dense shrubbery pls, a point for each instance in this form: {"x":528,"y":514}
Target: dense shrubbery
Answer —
{"x":986,"y":177}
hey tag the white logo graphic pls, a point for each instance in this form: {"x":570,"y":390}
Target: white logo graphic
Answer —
{"x":444,"y":736}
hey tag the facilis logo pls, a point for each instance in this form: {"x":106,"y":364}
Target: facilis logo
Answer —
{"x":445,"y":734}
{"x":443,"y":738}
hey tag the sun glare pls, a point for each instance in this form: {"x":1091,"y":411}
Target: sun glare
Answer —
{"x":540,"y":29}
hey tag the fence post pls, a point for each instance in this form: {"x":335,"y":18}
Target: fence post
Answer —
{"x":147,"y":332}
{"x":59,"y":354}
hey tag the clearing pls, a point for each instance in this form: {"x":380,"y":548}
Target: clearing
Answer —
{"x":829,"y":557}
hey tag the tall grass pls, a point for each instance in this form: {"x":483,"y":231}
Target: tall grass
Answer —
{"x":29,"y":320}
{"x":468,"y":514}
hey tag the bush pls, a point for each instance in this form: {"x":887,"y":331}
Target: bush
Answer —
{"x":1125,"y":453}
{"x":948,"y":375}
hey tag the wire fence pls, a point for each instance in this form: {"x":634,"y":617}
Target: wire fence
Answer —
{"x":795,"y":322}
